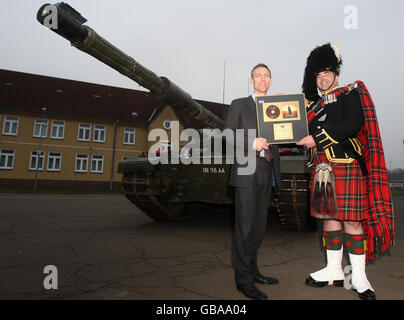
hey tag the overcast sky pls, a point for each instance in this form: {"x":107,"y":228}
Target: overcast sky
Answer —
{"x":189,"y":40}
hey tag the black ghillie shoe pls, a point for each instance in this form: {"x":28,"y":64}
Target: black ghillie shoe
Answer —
{"x":366,"y":295}
{"x":318,"y":284}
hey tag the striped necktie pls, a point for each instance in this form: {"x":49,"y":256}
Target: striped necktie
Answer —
{"x":268,"y":154}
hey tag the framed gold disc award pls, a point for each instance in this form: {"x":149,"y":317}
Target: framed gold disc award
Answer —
{"x":281,"y":119}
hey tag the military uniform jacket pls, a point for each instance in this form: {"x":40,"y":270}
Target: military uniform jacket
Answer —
{"x":335,"y":126}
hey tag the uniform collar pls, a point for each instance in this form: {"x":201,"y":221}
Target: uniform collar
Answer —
{"x":329,"y":91}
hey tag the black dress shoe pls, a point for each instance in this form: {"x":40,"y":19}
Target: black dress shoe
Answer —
{"x":251,"y":291}
{"x":318,"y":284}
{"x":366,"y":295}
{"x":265,"y":280}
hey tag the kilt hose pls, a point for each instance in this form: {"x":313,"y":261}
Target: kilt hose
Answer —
{"x":351,"y":189}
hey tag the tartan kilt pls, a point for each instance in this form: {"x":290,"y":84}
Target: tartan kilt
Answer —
{"x":351,"y":189}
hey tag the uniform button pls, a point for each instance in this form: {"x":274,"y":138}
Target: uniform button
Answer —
{"x":318,"y":127}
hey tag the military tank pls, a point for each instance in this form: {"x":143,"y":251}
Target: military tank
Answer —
{"x":176,"y":191}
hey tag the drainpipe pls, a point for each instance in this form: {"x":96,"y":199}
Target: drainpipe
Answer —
{"x":38,"y":153}
{"x":113,"y":155}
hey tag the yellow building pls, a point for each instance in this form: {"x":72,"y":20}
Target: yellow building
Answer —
{"x":58,"y":133}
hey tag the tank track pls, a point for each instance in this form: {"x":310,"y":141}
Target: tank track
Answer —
{"x":159,"y":207}
{"x":291,"y":202}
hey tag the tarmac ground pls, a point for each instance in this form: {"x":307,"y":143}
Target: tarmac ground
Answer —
{"x":103,"y":247}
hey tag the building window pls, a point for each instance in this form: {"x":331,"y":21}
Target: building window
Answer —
{"x":54,"y":161}
{"x":129,"y":136}
{"x":97,"y":164}
{"x":6,"y":159}
{"x":10,"y":126}
{"x":58,"y":129}
{"x":40,"y":128}
{"x":37,"y":158}
{"x":99,"y":133}
{"x":84,"y":132}
{"x":81,"y":163}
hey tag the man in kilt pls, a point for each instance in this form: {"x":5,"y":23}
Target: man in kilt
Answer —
{"x":349,"y":188}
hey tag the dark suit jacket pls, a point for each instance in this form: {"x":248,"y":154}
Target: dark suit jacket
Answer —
{"x":242,"y":114}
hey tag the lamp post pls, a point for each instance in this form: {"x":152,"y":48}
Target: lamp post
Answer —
{"x":38,"y":153}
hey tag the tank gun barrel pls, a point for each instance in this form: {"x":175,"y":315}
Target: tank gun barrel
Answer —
{"x":68,"y":23}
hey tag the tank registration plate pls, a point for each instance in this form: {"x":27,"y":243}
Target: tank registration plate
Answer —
{"x":213,"y":170}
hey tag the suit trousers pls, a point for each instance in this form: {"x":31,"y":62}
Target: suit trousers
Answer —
{"x":251,"y":211}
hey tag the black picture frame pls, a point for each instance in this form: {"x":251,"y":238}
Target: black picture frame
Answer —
{"x":281,"y":119}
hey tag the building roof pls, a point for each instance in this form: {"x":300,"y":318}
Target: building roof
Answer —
{"x":29,"y":93}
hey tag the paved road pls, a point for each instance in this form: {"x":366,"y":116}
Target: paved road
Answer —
{"x":105,"y":248}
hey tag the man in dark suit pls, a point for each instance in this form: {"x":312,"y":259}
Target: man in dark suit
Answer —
{"x":252,"y":190}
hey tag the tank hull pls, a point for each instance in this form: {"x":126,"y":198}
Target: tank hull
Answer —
{"x":179,"y":192}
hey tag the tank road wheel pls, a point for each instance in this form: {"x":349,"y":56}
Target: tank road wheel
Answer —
{"x":189,"y":210}
{"x":292,"y":201}
{"x":175,"y":211}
